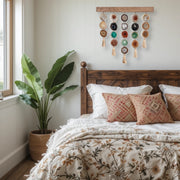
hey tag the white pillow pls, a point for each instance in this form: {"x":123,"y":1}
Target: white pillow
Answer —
{"x":167,"y":89}
{"x":99,"y":104}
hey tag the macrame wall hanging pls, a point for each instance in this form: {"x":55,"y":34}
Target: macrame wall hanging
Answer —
{"x":123,"y":26}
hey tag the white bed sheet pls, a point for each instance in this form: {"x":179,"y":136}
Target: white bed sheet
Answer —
{"x":86,"y":120}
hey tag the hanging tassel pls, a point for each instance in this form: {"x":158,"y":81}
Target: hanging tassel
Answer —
{"x":135,"y":52}
{"x":124,"y":59}
{"x":113,"y":51}
{"x":144,"y":43}
{"x":103,"y":42}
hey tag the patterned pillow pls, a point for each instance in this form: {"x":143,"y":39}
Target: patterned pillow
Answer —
{"x":173,"y":101}
{"x":150,"y":109}
{"x":99,"y":105}
{"x":120,"y":108}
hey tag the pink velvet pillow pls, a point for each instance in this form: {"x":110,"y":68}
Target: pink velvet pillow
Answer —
{"x":120,"y":108}
{"x":150,"y":109}
{"x":173,"y":101}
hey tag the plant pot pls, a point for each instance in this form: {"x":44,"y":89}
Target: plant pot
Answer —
{"x":37,"y":144}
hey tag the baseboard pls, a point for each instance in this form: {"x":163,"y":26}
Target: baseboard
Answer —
{"x":10,"y":161}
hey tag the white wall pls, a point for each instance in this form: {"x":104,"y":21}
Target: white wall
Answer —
{"x":16,"y":119}
{"x":62,"y":25}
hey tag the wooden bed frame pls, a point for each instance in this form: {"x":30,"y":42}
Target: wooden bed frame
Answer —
{"x":124,"y":78}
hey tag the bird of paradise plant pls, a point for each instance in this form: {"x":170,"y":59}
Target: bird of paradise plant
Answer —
{"x":33,"y":91}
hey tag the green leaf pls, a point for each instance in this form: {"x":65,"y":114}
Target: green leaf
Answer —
{"x":56,"y":88}
{"x":63,"y":75}
{"x":64,"y":91}
{"x":36,"y":87}
{"x":28,"y":100}
{"x":49,"y":120}
{"x":57,"y":67}
{"x":26,"y":89}
{"x":29,"y":68}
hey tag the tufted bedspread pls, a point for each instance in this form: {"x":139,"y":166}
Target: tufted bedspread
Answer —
{"x":93,"y":149}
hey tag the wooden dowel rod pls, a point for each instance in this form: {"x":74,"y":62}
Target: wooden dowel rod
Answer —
{"x":124,"y":9}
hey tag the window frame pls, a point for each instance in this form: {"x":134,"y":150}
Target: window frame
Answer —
{"x":9,"y":61}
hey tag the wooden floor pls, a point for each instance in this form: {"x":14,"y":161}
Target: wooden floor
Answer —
{"x":20,"y":170}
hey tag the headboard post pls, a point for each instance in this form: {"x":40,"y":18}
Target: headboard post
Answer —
{"x":84,"y":82}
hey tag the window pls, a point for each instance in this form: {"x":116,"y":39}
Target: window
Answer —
{"x":6,"y":46}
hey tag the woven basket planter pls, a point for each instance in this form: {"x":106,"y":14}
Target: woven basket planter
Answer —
{"x":37,"y":144}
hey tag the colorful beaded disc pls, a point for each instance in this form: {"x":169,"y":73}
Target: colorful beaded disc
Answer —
{"x":113,"y":26}
{"x":113,"y":34}
{"x":145,"y":34}
{"x":124,"y":50}
{"x":135,"y":18}
{"x":124,"y":17}
{"x":134,"y":35}
{"x":145,"y":25}
{"x":103,"y":25}
{"x":114,"y":42}
{"x":135,"y":44}
{"x":124,"y":26}
{"x":145,"y":17}
{"x":103,"y":33}
{"x":114,"y":17}
{"x":124,"y":34}
{"x":124,"y":42}
{"x":135,"y":26}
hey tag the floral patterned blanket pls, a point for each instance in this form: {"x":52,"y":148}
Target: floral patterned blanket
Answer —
{"x":86,"y":149}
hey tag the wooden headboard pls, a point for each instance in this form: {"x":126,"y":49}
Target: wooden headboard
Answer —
{"x":124,"y":78}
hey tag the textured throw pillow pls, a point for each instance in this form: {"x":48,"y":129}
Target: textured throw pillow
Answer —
{"x":173,"y":101}
{"x":120,"y":108}
{"x":99,"y":104}
{"x":150,"y":109}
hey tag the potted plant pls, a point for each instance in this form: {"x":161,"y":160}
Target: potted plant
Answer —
{"x":34,"y":95}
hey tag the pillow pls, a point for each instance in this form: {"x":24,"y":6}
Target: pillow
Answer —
{"x":120,"y":108}
{"x":99,"y":104}
{"x":150,"y":109}
{"x":167,"y":89}
{"x":173,"y":101}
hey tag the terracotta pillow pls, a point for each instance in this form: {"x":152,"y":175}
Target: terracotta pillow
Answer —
{"x":150,"y":109}
{"x":173,"y":101}
{"x":120,"y":108}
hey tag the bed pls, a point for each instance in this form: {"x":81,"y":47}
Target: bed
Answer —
{"x":88,"y":148}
